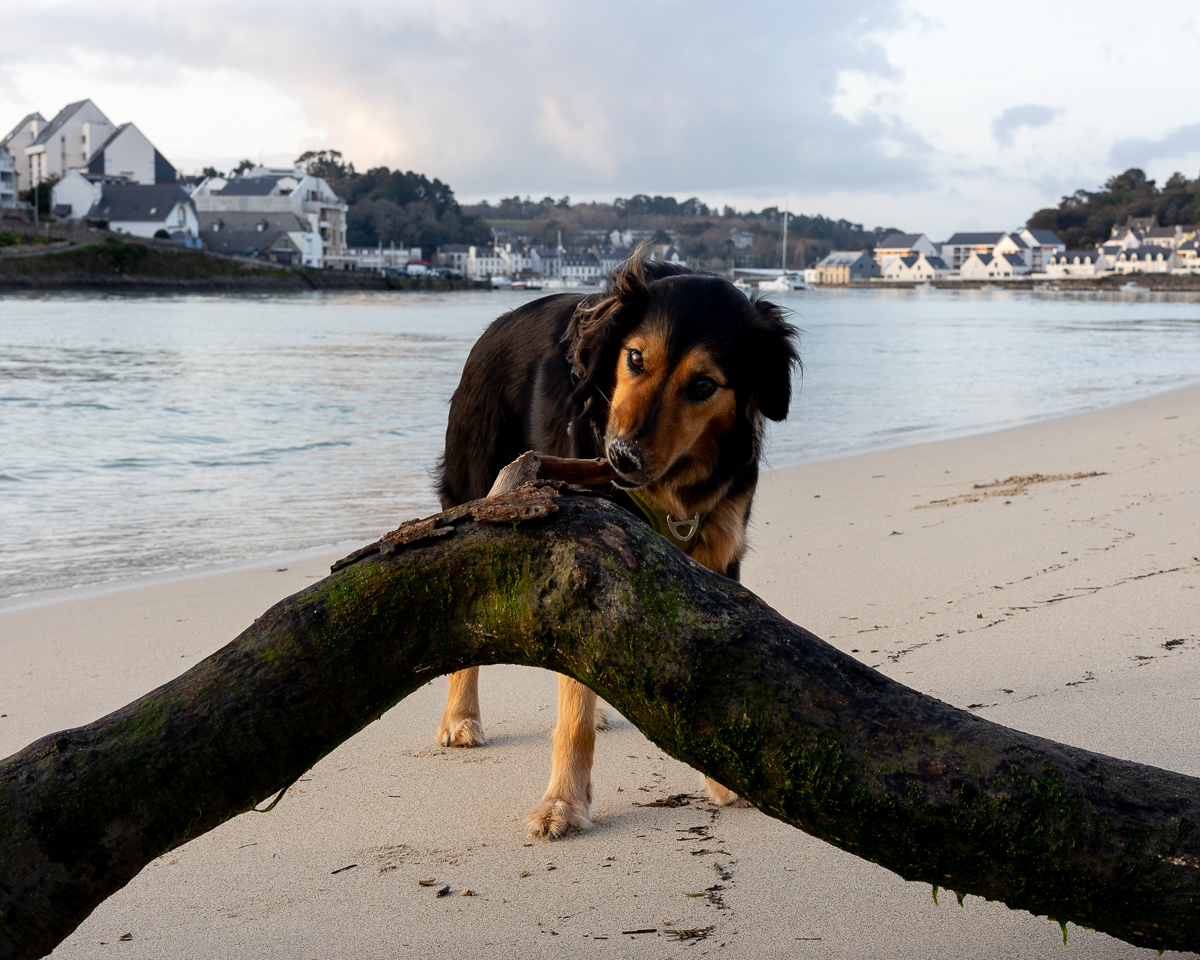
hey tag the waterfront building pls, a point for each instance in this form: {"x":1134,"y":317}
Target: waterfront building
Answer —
{"x":8,"y":180}
{"x":146,"y":210}
{"x":1042,"y":244}
{"x":993,"y":266}
{"x":281,"y":236}
{"x":73,"y":197}
{"x":129,"y":153}
{"x":959,"y":248}
{"x":916,"y":267}
{"x":15,"y":142}
{"x":1147,"y":259}
{"x":1189,"y":256}
{"x":1078,"y":263}
{"x":390,"y":259}
{"x":266,"y":190}
{"x":68,"y":141}
{"x":842,"y":266}
{"x":581,"y":269}
{"x":902,"y":245}
{"x":1169,"y":237}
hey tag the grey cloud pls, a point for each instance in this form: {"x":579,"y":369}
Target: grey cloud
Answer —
{"x":1005,"y":126}
{"x":541,"y":96}
{"x":1138,"y":152}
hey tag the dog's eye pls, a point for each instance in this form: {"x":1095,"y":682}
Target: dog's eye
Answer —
{"x":635,"y":360}
{"x":702,"y":388}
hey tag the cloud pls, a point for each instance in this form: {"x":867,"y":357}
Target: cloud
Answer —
{"x":1005,"y":126}
{"x":1137,"y":152}
{"x":533,"y":96}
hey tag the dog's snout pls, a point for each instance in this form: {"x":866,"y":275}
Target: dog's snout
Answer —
{"x":624,"y":456}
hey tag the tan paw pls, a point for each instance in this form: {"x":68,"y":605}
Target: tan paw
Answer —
{"x":553,"y":818}
{"x":722,"y":796}
{"x":461,"y":732}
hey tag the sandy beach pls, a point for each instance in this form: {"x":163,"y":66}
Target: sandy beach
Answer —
{"x":1065,"y":603}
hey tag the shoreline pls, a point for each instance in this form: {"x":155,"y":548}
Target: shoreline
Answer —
{"x":347,"y":545}
{"x":1063,"y":602}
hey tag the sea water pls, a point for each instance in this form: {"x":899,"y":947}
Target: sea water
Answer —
{"x":142,"y":434}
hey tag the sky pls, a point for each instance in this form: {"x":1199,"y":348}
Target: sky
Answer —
{"x":930,"y":117}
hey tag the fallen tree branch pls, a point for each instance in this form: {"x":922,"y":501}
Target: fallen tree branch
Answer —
{"x":701,"y":666}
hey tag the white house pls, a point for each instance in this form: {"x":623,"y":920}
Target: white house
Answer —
{"x":1012,"y":243}
{"x":1170,"y":237}
{"x":270,"y":190}
{"x":15,"y":142}
{"x":1078,"y":263}
{"x":74,"y":195}
{"x":68,"y":141}
{"x":902,"y":245}
{"x":958,"y":249}
{"x":1147,"y":259}
{"x":916,"y":267}
{"x":998,"y":266}
{"x":392,"y":259}
{"x":1189,"y":257}
{"x":453,"y":256}
{"x":142,"y":210}
{"x":581,"y":269}
{"x":8,"y":179}
{"x":281,"y":236}
{"x":1042,"y":244}
{"x":128,"y":153}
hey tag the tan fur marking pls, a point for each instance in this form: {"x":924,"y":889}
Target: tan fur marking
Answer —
{"x":723,"y":536}
{"x":568,"y":799}
{"x":681,"y":450}
{"x":461,"y":726}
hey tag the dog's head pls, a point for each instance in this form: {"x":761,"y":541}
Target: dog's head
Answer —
{"x":675,"y":370}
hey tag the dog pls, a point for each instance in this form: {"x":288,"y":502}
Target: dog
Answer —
{"x":669,"y":373}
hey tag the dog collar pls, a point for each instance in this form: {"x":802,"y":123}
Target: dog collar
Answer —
{"x":682,"y":533}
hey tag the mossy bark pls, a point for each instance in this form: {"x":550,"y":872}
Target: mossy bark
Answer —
{"x":704,"y":668}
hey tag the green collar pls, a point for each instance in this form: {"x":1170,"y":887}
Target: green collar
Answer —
{"x":682,"y":533}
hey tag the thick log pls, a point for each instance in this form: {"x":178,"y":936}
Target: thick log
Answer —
{"x":705,"y":669}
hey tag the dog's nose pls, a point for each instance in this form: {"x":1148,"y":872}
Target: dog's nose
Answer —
{"x":624,"y":456}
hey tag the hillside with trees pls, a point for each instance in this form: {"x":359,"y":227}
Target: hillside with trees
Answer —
{"x":389,"y":206}
{"x":714,"y":238}
{"x":1086,"y":218}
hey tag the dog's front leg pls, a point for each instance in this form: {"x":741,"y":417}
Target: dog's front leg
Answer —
{"x":568,"y":798}
{"x":461,"y":726}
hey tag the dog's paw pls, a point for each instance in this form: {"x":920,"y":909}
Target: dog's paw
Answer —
{"x":602,"y":719}
{"x":461,"y":732}
{"x":551,"y":819}
{"x":723,"y":796}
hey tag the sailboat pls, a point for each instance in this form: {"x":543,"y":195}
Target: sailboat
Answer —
{"x":785,"y":282}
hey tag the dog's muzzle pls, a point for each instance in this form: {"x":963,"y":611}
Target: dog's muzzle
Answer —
{"x":625,"y":457}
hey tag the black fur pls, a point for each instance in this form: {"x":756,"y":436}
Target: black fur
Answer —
{"x":539,"y":377}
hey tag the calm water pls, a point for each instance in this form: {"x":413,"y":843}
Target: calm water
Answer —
{"x":144,"y":434}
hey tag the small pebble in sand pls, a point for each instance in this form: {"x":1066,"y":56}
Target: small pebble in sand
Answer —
{"x":523,"y":873}
{"x":428,"y":881}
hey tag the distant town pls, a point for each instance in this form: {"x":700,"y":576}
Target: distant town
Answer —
{"x":81,"y":168}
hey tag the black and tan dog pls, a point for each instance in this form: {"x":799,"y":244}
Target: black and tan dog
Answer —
{"x":668,"y":373}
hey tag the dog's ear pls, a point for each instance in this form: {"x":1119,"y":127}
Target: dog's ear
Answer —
{"x":776,"y":357}
{"x":601,"y":319}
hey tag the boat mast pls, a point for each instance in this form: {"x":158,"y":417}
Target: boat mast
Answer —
{"x":783,"y":254}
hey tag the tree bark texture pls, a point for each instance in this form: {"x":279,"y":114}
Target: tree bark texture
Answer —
{"x":705,"y":669}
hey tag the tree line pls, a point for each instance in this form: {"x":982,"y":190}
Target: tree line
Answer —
{"x":1085,"y":218}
